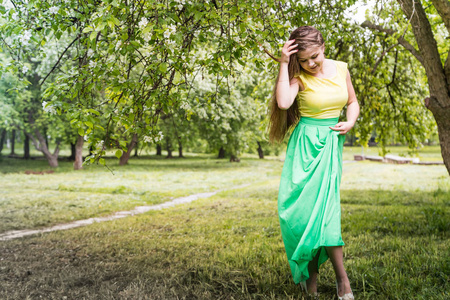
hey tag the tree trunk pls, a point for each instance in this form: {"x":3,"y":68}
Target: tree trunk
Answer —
{"x":169,"y":148}
{"x":2,"y":140}
{"x":136,"y":150}
{"x":126,"y":155}
{"x":180,"y":149}
{"x":234,"y":158}
{"x":26,"y":147}
{"x":221,"y":153}
{"x":442,"y":117}
{"x":158,"y":149}
{"x":260,"y":151}
{"x":78,"y":164}
{"x":41,"y":145}
{"x":46,"y":138}
{"x":13,"y":141}
{"x":72,"y":151}
{"x":438,"y":76}
{"x":428,"y":55}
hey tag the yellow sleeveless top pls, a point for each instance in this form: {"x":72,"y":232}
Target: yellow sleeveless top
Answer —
{"x":324,"y":98}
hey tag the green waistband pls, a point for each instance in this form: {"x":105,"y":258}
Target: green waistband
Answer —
{"x":319,"y":122}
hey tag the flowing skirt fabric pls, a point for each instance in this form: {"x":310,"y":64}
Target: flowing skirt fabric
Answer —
{"x":308,"y":198}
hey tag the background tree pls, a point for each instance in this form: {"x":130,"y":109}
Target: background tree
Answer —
{"x":424,"y":32}
{"x":142,"y":56}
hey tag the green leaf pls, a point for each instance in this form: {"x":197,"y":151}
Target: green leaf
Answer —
{"x":93,"y":35}
{"x":116,"y":21}
{"x":93,"y":111}
{"x":81,"y":131}
{"x":101,"y":161}
{"x":87,"y":29}
{"x":111,"y":24}
{"x":146,"y":29}
{"x":163,"y":67}
{"x":119,"y":153}
{"x":89,"y":124}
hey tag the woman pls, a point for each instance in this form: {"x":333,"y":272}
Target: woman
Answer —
{"x":308,"y":199}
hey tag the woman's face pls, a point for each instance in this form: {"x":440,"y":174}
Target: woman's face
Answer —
{"x":311,"y":60}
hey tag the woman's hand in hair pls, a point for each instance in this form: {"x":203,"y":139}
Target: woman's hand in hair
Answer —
{"x":288,"y":49}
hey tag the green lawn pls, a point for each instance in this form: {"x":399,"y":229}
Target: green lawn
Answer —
{"x":395,"y":222}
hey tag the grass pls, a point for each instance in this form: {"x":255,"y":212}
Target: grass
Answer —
{"x":30,"y":201}
{"x":394,"y":222}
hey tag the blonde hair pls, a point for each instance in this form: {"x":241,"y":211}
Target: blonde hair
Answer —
{"x":282,"y":120}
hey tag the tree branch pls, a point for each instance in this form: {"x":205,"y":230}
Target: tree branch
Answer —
{"x":34,"y":141}
{"x":401,"y":40}
{"x":443,"y":9}
{"x":381,"y":57}
{"x":59,"y":59}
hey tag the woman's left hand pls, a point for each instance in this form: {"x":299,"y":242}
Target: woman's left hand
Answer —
{"x":343,"y":127}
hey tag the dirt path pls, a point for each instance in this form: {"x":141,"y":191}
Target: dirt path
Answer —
{"x":14,"y":234}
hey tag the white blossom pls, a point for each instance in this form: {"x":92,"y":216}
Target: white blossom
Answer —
{"x":92,"y":64}
{"x":170,"y":30}
{"x":86,"y":138}
{"x":15,"y":16}
{"x":53,"y":10}
{"x":148,"y":139}
{"x":25,"y":37}
{"x":147,"y":37}
{"x":159,"y":137}
{"x":48,"y":108}
{"x":122,"y":80}
{"x":201,"y":112}
{"x":99,"y":144}
{"x":24,"y":69}
{"x":90,"y":52}
{"x":118,"y":45}
{"x":143,"y":22}
{"x":185,"y":106}
{"x":226,"y":126}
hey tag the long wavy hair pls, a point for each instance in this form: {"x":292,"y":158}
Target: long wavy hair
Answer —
{"x":282,"y":120}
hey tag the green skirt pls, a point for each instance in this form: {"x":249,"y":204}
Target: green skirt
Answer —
{"x":308,"y":197}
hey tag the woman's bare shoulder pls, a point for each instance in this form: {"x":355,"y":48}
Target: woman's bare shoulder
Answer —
{"x":298,"y":80}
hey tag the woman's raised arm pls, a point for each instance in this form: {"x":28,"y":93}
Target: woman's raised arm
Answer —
{"x":287,"y":89}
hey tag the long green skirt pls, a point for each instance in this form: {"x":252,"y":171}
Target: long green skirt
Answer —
{"x":308,"y":198}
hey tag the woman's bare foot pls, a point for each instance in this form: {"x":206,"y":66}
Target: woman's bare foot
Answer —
{"x":311,"y":283}
{"x":343,"y":286}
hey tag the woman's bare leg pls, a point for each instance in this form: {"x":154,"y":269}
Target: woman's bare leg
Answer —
{"x":311,"y":283}
{"x":336,"y":256}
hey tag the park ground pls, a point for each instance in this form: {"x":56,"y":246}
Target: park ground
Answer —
{"x":395,"y":223}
